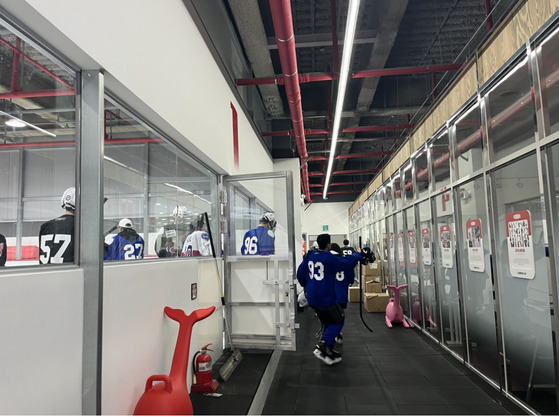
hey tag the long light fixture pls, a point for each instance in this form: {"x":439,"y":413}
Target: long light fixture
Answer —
{"x":351,"y":24}
{"x":15,"y":122}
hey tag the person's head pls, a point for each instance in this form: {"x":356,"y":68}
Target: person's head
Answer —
{"x":199,"y":222}
{"x":125,"y":224}
{"x":68,"y":200}
{"x":323,"y":241}
{"x":334,"y":247}
{"x":346,"y":242}
{"x":179,"y":214}
{"x":268,"y":220}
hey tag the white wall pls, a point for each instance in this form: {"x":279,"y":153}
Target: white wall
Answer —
{"x":41,"y":339}
{"x":155,"y":59}
{"x":334,"y":215}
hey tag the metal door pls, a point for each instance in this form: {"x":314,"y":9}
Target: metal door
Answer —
{"x":259,"y":289}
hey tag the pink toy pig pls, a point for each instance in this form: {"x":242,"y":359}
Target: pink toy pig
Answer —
{"x":394,"y":312}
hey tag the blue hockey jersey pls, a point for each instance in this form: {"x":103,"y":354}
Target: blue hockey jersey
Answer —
{"x":318,"y":273}
{"x":344,"y":279}
{"x":127,"y":245}
{"x":259,"y":241}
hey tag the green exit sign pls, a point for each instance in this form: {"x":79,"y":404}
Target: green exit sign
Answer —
{"x":324,"y":227}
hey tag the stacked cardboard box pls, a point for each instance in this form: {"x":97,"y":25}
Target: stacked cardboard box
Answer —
{"x":354,"y":294}
{"x":375,"y":302}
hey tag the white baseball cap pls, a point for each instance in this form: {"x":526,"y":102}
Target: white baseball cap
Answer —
{"x":126,"y":223}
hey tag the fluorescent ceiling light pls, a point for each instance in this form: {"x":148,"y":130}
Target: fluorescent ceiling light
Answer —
{"x":349,"y":36}
{"x":14,"y":123}
{"x":15,"y":119}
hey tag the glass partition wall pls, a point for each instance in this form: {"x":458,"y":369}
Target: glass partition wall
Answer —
{"x":469,"y":222}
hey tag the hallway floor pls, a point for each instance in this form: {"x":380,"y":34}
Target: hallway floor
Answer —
{"x":389,"y":371}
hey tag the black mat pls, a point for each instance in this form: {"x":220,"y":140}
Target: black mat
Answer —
{"x":239,"y":390}
{"x":389,"y":371}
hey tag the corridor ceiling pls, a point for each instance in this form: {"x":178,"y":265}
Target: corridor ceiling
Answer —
{"x":421,"y":45}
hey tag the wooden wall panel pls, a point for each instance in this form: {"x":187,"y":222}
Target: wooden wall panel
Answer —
{"x":529,"y":19}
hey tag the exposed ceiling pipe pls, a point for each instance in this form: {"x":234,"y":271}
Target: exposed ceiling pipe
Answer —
{"x":285,"y":37}
{"x":489,"y":15}
{"x":73,"y":143}
{"x":349,"y":129}
{"x":386,"y":72}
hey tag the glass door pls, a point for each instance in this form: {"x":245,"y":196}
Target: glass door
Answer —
{"x":260,"y":260}
{"x":429,"y":314}
{"x":477,"y":280}
{"x":447,"y":275}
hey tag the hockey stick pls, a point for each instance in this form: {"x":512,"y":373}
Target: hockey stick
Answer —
{"x":112,"y":229}
{"x":361,"y":292}
{"x":231,"y":363}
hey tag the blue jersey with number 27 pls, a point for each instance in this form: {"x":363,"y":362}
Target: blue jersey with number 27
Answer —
{"x":259,"y":241}
{"x":122,"y":249}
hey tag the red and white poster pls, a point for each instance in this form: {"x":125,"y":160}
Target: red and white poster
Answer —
{"x":446,"y":246}
{"x":411,"y":241}
{"x":426,"y":246}
{"x":476,"y":260}
{"x":401,"y":247}
{"x":520,"y":245}
{"x":391,"y":246}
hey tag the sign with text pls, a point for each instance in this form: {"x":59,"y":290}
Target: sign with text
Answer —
{"x":476,"y":261}
{"x":520,"y":245}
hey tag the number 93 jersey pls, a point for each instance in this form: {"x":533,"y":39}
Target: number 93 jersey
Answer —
{"x":317,"y":273}
{"x":259,"y":241}
{"x":56,"y":240}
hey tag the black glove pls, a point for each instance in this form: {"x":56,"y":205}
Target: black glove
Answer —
{"x":367,"y":255}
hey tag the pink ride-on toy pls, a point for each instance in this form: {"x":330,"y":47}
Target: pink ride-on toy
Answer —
{"x":394,"y":312}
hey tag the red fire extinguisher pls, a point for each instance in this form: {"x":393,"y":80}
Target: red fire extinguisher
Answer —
{"x":203,"y":371}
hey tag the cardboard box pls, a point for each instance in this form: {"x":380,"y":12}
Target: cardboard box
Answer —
{"x":375,"y":302}
{"x":373,"y":269}
{"x":354,"y":294}
{"x":373,"y":286}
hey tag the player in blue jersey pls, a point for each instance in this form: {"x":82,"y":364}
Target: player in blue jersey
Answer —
{"x":345,"y":278}
{"x":317,"y":273}
{"x":261,"y":241}
{"x":127,"y":245}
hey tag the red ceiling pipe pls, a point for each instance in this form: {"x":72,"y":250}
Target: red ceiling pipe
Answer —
{"x":351,"y":155}
{"x":15,"y":68}
{"x":339,"y":192}
{"x":73,"y":143}
{"x":292,"y":132}
{"x":285,"y":37}
{"x":377,"y":128}
{"x":57,"y":78}
{"x":356,"y":171}
{"x":307,"y":78}
{"x":40,"y":93}
{"x":341,"y":184}
{"x":489,"y":15}
{"x":408,"y":70}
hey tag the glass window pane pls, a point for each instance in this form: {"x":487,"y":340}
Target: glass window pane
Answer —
{"x":440,"y":161}
{"x":477,"y":280}
{"x":421,"y":172}
{"x":469,"y":143}
{"x":550,"y":80}
{"x":407,"y":186}
{"x":428,"y":315}
{"x":397,"y":185}
{"x":523,"y":277}
{"x":37,"y":151}
{"x":510,"y":113}
{"x":151,"y":182}
{"x":388,"y":197}
{"x":447,"y":272}
{"x":411,"y":264}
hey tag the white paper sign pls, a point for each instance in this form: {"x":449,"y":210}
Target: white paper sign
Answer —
{"x":401,"y":247}
{"x":426,"y":246}
{"x":411,"y":240}
{"x":391,"y":246}
{"x":446,"y":246}
{"x":476,"y":260}
{"x":520,"y":245}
